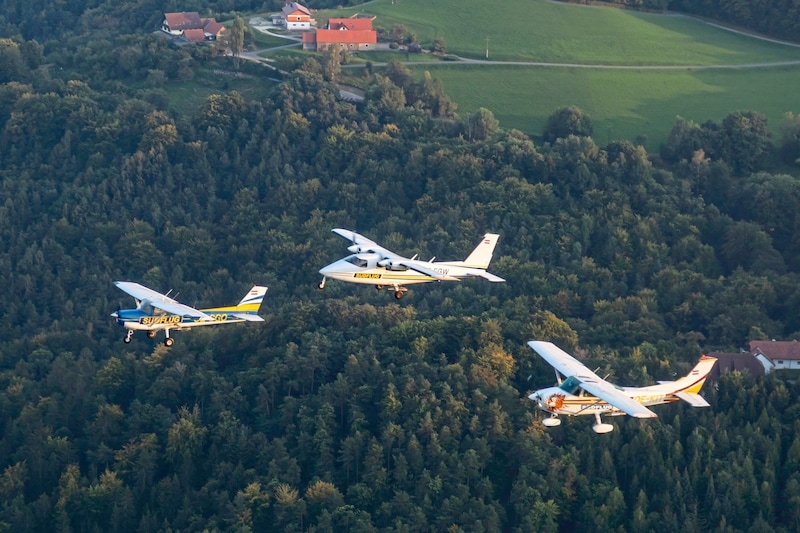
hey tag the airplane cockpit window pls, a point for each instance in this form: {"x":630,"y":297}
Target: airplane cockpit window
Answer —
{"x":357,"y":261}
{"x":570,"y":385}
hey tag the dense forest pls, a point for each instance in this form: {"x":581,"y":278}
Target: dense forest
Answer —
{"x":347,"y":410}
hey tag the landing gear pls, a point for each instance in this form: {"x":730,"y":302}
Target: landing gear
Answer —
{"x":399,"y":291}
{"x":599,"y":427}
{"x":127,"y":339}
{"x":551,"y":422}
{"x":169,"y":341}
{"x":321,"y":284}
{"x":151,"y":334}
{"x":379,"y":287}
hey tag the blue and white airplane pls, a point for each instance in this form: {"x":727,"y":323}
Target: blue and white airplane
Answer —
{"x":155,"y":311}
{"x":371,"y":264}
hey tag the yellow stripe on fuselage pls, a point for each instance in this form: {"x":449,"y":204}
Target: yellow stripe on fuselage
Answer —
{"x":234,"y":309}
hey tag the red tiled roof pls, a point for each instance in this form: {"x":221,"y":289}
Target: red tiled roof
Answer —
{"x":347,"y":37}
{"x":777,"y":350}
{"x":309,"y":37}
{"x":350,"y":24}
{"x":195,"y":35}
{"x":183,"y":21}
{"x":213,"y":27}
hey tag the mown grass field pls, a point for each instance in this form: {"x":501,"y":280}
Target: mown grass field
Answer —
{"x":623,"y":103}
{"x":539,"y":30}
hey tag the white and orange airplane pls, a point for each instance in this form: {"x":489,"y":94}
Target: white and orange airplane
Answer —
{"x":582,"y":392}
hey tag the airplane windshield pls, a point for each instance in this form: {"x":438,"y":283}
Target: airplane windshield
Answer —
{"x":570,"y":385}
{"x":357,"y":261}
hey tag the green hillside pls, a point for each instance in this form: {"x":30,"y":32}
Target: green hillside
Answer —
{"x":539,"y":30}
{"x":623,"y":104}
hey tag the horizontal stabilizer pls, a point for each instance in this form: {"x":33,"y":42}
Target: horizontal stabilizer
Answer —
{"x":249,"y":317}
{"x":695,"y":400}
{"x":488,"y":276}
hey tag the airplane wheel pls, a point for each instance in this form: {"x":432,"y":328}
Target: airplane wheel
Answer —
{"x":398,"y":294}
{"x":169,"y":341}
{"x":126,"y":340}
{"x":151,"y":334}
{"x":379,"y":287}
{"x":321,"y":286}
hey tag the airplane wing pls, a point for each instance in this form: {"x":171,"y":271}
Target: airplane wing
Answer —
{"x":589,"y":381}
{"x":365,"y":245}
{"x":160,"y":301}
{"x":427,"y":271}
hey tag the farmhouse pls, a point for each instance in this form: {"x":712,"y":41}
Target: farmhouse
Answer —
{"x":777,"y":354}
{"x":350,"y":34}
{"x":296,"y":17}
{"x":191,"y":27}
{"x":763,"y":358}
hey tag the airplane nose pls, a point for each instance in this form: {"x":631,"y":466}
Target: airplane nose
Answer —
{"x":114,"y":315}
{"x":326,"y":270}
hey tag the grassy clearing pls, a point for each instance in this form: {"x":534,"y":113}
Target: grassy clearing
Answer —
{"x":538,"y":30}
{"x":623,"y":104}
{"x":264,"y":40}
{"x":186,"y":97}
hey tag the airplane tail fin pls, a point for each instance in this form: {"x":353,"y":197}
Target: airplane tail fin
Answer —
{"x":688,"y":387}
{"x":252,"y":300}
{"x":481,"y":256}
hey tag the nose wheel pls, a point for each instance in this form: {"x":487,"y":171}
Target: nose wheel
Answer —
{"x":128,"y":337}
{"x":321,"y":284}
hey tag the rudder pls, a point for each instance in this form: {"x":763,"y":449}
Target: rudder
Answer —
{"x":252,"y":300}
{"x":481,"y":256}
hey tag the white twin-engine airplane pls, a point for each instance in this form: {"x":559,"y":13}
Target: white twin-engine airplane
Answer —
{"x":155,"y":311}
{"x":371,"y":264}
{"x":584,"y":393}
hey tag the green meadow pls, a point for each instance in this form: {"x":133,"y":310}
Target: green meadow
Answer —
{"x":624,"y":104}
{"x":539,"y":30}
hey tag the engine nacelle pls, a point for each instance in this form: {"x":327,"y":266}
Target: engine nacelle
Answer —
{"x":388,"y":264}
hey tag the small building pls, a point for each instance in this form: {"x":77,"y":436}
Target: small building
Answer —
{"x":352,"y":34}
{"x":736,"y":361}
{"x":192,"y":27}
{"x":296,"y":17}
{"x":779,"y":354}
